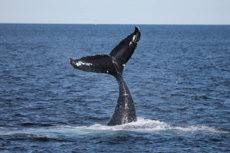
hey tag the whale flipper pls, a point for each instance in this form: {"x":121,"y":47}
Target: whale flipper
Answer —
{"x":113,"y":64}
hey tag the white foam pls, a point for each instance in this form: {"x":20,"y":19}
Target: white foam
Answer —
{"x":142,"y":125}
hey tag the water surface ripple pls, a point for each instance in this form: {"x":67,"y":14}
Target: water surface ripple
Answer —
{"x":179,"y":77}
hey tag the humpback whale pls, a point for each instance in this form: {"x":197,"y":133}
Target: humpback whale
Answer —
{"x":114,"y":64}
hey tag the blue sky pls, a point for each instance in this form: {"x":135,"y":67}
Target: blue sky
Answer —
{"x":116,"y":11}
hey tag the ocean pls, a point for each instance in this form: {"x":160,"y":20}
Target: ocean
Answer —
{"x":179,"y":78}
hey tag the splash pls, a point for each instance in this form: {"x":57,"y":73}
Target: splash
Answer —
{"x":147,"y":125}
{"x":142,"y":125}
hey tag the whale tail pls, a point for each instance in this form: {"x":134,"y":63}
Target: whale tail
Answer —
{"x":114,"y":64}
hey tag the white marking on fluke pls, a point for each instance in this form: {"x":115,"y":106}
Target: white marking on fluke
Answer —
{"x":79,"y":63}
{"x":130,"y":43}
{"x":134,"y":37}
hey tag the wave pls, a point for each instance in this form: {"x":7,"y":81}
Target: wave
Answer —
{"x":142,"y":125}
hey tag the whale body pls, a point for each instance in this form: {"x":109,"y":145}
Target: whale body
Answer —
{"x":114,"y":64}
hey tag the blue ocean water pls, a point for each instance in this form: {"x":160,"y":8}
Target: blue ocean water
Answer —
{"x":179,"y":77}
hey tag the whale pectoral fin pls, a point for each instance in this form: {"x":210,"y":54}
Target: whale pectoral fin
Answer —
{"x":98,"y":64}
{"x":124,"y":50}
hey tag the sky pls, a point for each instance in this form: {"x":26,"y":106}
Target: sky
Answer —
{"x":116,"y":11}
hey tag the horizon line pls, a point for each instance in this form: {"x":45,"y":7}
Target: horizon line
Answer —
{"x":37,"y":23}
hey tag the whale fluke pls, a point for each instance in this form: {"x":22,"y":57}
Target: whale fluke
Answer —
{"x":114,"y":64}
